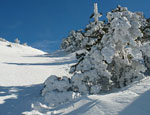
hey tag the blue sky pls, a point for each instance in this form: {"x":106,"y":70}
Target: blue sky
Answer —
{"x":43,"y":23}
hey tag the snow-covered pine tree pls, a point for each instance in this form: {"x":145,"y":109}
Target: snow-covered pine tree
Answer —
{"x":112,"y":62}
{"x":145,"y":40}
{"x":145,"y":28}
{"x":78,"y":40}
{"x":93,"y":34}
{"x":73,"y":42}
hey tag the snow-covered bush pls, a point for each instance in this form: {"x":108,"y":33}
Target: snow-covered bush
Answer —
{"x":3,"y":40}
{"x":57,"y":90}
{"x":25,"y":44}
{"x":17,"y":41}
{"x":112,"y":61}
{"x":54,"y":83}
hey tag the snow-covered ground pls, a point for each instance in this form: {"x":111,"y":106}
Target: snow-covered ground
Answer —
{"x":132,"y":100}
{"x":22,"y":65}
{"x":23,"y":70}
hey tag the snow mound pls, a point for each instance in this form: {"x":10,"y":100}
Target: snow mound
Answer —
{"x":57,"y":90}
{"x":13,"y":47}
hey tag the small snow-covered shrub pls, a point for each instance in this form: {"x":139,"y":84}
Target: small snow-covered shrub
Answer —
{"x":17,"y":41}
{"x":54,"y":83}
{"x":57,"y":90}
{"x":3,"y":40}
{"x":25,"y":44}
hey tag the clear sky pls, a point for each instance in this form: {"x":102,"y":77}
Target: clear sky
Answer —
{"x":43,"y":23}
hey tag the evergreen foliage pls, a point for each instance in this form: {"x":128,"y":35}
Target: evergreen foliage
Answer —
{"x":112,"y":61}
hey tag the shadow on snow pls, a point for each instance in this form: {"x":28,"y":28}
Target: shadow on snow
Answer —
{"x":90,"y":103}
{"x":25,"y":96}
{"x":141,"y":106}
{"x":53,"y":63}
{"x":59,"y":53}
{"x":45,"y":64}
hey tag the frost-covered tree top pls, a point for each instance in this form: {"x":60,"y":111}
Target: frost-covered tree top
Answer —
{"x":96,"y":15}
{"x":84,"y":39}
{"x":123,"y":31}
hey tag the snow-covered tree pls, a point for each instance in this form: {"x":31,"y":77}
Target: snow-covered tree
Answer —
{"x":112,"y":62}
{"x":146,"y":55}
{"x":93,"y":32}
{"x":73,"y":42}
{"x":145,"y":28}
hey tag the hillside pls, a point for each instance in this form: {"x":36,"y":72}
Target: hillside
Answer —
{"x":22,"y":65}
{"x":23,"y":71}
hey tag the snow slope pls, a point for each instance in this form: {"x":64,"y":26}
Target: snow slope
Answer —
{"x":23,"y":70}
{"x":22,"y":65}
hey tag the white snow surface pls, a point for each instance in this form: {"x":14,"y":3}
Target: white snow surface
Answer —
{"x":23,"y":70}
{"x":22,"y":65}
